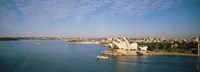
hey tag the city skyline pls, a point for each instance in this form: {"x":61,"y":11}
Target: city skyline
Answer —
{"x":100,"y":18}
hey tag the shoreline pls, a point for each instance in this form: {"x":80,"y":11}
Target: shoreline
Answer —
{"x":83,"y":42}
{"x":172,"y":54}
{"x":142,"y":53}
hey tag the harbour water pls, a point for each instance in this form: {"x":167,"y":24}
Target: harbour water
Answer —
{"x":58,"y":56}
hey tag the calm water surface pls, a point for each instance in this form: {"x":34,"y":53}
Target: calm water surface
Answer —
{"x":58,"y":56}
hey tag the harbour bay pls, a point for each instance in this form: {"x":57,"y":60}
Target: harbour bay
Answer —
{"x":59,"y":56}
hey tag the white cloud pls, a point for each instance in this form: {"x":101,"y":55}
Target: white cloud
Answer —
{"x":141,"y":7}
{"x":37,"y":10}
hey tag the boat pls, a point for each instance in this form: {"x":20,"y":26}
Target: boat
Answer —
{"x":102,"y":57}
{"x":38,"y":43}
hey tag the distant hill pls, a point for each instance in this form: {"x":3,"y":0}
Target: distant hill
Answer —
{"x":9,"y":39}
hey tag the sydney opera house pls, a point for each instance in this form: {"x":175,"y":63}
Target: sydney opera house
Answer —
{"x":121,"y":46}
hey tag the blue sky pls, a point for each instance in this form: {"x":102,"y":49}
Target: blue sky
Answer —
{"x":100,"y":18}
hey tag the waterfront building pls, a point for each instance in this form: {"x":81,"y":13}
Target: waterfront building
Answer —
{"x":121,"y":46}
{"x":195,"y":39}
{"x":124,"y":44}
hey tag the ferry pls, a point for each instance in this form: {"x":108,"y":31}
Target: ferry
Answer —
{"x":102,"y":57}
